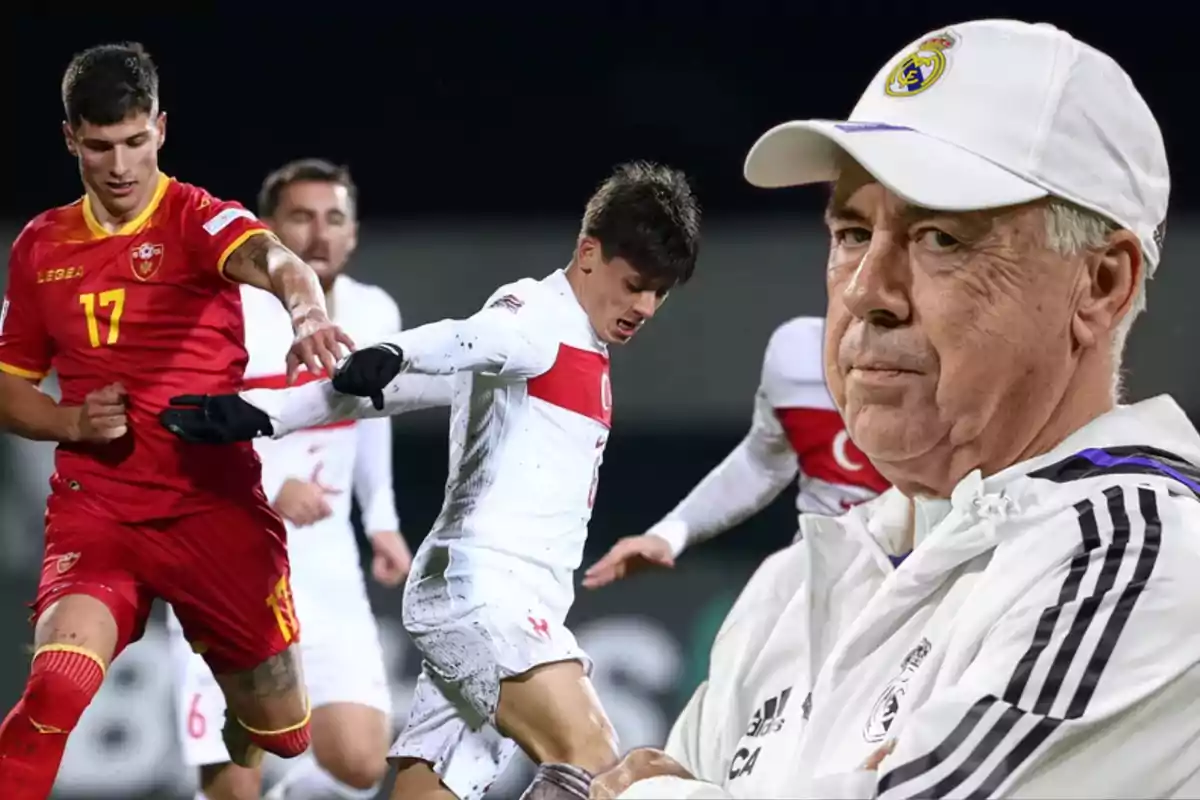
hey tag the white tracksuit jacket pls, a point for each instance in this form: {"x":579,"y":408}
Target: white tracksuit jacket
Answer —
{"x":1042,"y":639}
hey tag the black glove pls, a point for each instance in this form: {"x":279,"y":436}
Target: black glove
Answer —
{"x":366,"y":372}
{"x":215,"y":419}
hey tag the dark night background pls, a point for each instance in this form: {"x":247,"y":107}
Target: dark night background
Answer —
{"x":476,"y":132}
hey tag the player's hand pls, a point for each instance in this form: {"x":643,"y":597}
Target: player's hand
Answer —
{"x":637,"y":765}
{"x":876,"y":758}
{"x":631,"y":554}
{"x":303,"y":502}
{"x":392,"y":559}
{"x":102,"y":415}
{"x":317,"y":346}
{"x":367,"y":372}
{"x":215,"y":419}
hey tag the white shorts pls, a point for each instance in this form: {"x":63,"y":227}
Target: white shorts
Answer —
{"x":474,"y":633}
{"x":340,"y":651}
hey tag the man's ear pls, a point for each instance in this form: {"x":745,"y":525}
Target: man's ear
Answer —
{"x":1111,"y":283}
{"x":69,"y":138}
{"x":587,"y":254}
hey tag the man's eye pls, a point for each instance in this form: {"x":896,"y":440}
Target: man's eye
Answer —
{"x":852,"y":236}
{"x":935,"y":239}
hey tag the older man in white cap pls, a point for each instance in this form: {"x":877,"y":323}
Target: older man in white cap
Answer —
{"x":1020,"y":615}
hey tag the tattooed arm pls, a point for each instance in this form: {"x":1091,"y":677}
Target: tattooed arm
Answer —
{"x":264,"y":262}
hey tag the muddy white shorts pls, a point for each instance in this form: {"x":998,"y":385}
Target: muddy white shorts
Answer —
{"x":473,"y":632}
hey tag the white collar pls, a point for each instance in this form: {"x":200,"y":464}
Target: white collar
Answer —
{"x":1158,"y":422}
{"x":558,"y":283}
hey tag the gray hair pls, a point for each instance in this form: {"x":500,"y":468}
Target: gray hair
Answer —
{"x":1070,"y":230}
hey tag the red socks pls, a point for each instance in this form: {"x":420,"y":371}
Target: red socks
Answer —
{"x":61,"y":684}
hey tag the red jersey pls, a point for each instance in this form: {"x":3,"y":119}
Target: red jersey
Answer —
{"x":149,"y":307}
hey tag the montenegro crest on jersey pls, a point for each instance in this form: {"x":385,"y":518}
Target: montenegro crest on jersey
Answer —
{"x":921,"y":68}
{"x":146,"y":259}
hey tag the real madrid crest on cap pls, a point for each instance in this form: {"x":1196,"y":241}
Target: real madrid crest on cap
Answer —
{"x":921,"y":68}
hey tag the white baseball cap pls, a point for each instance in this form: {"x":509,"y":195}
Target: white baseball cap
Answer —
{"x":987,"y":114}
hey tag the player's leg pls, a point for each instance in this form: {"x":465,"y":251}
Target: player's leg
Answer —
{"x":444,"y":753}
{"x":200,"y":714}
{"x":553,"y":713}
{"x":345,"y":674}
{"x":74,"y":643}
{"x":350,"y":742}
{"x":441,"y":755}
{"x":87,"y":610}
{"x":228,"y":781}
{"x":348,"y":758}
{"x":544,"y":699}
{"x":417,"y":780}
{"x":229,"y":584}
{"x":509,"y":667}
{"x":267,"y":708}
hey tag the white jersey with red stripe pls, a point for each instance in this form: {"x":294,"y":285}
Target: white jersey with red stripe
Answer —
{"x":796,"y":431}
{"x":492,"y":582}
{"x":530,"y":410}
{"x":833,"y":474}
{"x":527,"y":440}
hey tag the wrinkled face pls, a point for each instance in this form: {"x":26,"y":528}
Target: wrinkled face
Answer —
{"x":948,"y":329}
{"x":316,"y":221}
{"x":618,"y":299}
{"x":119,"y":163}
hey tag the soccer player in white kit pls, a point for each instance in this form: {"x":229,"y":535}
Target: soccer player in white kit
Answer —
{"x":795,"y":429}
{"x":492,"y":582}
{"x":309,"y":478}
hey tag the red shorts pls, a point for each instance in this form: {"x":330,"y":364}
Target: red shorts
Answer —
{"x":224,"y":571}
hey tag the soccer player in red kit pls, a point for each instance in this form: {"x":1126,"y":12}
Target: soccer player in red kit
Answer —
{"x":131,"y":294}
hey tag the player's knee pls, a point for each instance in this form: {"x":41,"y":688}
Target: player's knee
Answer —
{"x":62,"y":682}
{"x":286,"y":743}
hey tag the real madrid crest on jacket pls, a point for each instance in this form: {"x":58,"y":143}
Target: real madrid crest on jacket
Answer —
{"x":888,"y":705}
{"x":1041,"y":640}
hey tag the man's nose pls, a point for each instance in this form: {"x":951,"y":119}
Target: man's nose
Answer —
{"x":646,"y":304}
{"x":120,"y":162}
{"x":879,"y":288}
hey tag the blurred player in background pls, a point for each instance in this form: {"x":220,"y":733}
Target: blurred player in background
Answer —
{"x":311,"y":206}
{"x":795,"y":428}
{"x":131,"y":295}
{"x":493,"y":580}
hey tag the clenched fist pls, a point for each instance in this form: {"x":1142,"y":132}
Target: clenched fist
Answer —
{"x":392,"y":560}
{"x":102,"y":415}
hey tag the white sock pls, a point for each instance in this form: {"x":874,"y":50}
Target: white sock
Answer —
{"x":306,"y":780}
